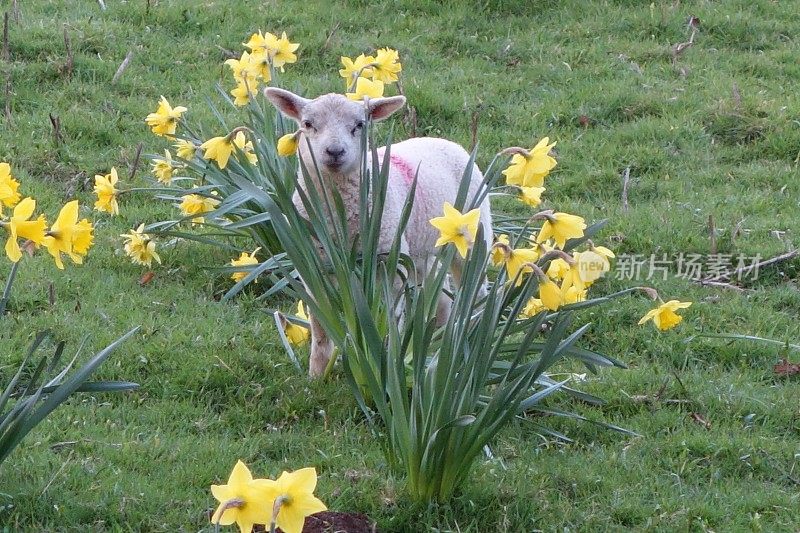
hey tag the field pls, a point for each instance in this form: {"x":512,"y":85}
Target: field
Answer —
{"x":709,"y":138}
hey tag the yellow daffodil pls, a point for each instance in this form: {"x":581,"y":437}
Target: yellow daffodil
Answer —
{"x":549,"y":294}
{"x":195,"y":205}
{"x":244,"y":91}
{"x":243,"y":68}
{"x":260,"y":67}
{"x":558,"y":268}
{"x":241,"y":142}
{"x":531,"y":196}
{"x":284,"y":52}
{"x":244,"y":260}
{"x":105,"y":187}
{"x":366,"y":88}
{"x":532,"y":308}
{"x":163,"y":168}
{"x":9,"y":187}
{"x":593,"y":264}
{"x":460,"y":229}
{"x":243,"y":500}
{"x":165,"y":120}
{"x":664,"y":316}
{"x":82,"y":240}
{"x":185,"y":149}
{"x":518,"y":263}
{"x":295,"y":333}
{"x":19,"y":226}
{"x":140,"y":247}
{"x":59,"y":238}
{"x":386,"y":65}
{"x":294,"y":492}
{"x":561,"y":227}
{"x":498,"y":255}
{"x":287,"y":145}
{"x":261,"y":42}
{"x":355,"y":69}
{"x":220,"y":149}
{"x":530,"y":170}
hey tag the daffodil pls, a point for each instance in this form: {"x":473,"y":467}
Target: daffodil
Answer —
{"x":294,"y":497}
{"x":593,"y":263}
{"x":9,"y":187}
{"x":533,"y":307}
{"x":105,"y":187}
{"x":244,"y":259}
{"x":664,"y":316}
{"x":531,"y":196}
{"x":561,"y":227}
{"x":498,"y":255}
{"x":60,"y":237}
{"x":82,"y":240}
{"x":366,"y":88}
{"x":260,"y":67}
{"x":558,"y":269}
{"x":19,"y":226}
{"x":295,"y":333}
{"x":195,"y":205}
{"x":241,"y":142}
{"x":243,"y":68}
{"x":140,"y":247}
{"x":518,"y":263}
{"x":287,"y":145}
{"x":530,"y":169}
{"x":354,"y":69}
{"x":386,"y":65}
{"x":459,"y":229}
{"x":163,"y":168}
{"x":549,"y":294}
{"x":261,"y":42}
{"x":243,"y":92}
{"x":284,"y":52}
{"x":243,"y":500}
{"x":185,"y":149}
{"x":165,"y":120}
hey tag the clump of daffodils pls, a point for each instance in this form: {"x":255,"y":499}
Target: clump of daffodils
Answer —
{"x":266,"y":53}
{"x":284,"y":502}
{"x":563,"y":275}
{"x":66,"y":236}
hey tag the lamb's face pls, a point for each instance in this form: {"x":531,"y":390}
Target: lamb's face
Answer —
{"x":332,"y":126}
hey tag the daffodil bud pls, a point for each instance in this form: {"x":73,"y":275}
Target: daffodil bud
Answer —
{"x":287,"y":145}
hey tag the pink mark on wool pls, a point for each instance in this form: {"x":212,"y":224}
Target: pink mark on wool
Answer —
{"x":404,"y":168}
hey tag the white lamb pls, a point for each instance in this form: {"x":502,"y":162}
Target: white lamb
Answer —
{"x":332,"y":125}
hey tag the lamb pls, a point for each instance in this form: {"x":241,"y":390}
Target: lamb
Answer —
{"x":332,"y":125}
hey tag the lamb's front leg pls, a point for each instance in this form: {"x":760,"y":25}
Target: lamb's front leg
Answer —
{"x":321,"y":349}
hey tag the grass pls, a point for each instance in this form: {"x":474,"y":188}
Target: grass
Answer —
{"x":714,"y":133}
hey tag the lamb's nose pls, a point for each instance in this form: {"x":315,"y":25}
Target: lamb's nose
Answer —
{"x":334,"y":151}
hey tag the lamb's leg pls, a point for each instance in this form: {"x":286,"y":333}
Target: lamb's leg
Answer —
{"x":321,"y":349}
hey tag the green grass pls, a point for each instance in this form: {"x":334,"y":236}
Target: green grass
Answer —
{"x":716,"y":133}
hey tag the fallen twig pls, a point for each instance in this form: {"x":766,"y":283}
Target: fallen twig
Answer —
{"x":757,"y":266}
{"x":135,"y":164}
{"x":330,"y":35}
{"x":711,"y":283}
{"x":6,"y":51}
{"x":70,"y":57}
{"x":122,"y":67}
{"x":58,"y":138}
{"x":626,"y":179}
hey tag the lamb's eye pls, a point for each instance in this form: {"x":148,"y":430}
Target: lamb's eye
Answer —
{"x":307,"y":124}
{"x":357,"y":127}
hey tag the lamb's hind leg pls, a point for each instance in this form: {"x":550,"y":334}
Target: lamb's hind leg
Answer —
{"x":321,"y":349}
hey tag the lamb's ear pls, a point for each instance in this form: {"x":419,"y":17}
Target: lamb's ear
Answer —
{"x":381,"y":108}
{"x":287,"y":102}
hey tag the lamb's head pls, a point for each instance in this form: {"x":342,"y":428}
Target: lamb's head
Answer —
{"x":332,"y":125}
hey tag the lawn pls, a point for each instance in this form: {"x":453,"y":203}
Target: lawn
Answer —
{"x":710,"y":141}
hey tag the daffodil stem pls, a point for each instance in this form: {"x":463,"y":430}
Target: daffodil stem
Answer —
{"x":276,"y":508}
{"x":230,"y":504}
{"x":7,"y":289}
